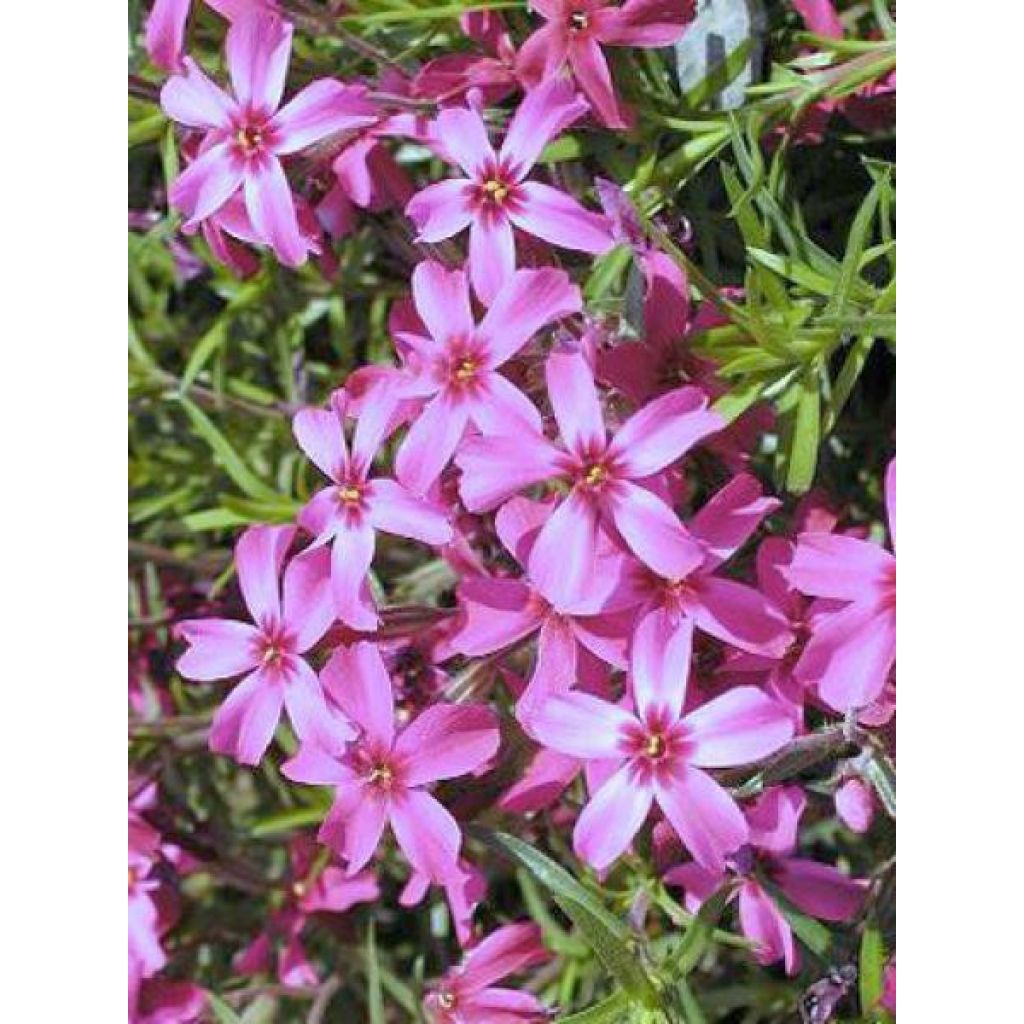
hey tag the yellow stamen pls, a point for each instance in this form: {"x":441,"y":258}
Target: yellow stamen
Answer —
{"x":497,"y":190}
{"x":595,"y":476}
{"x":578,"y":21}
{"x":466,"y":370}
{"x":655,"y":745}
{"x":349,"y":494}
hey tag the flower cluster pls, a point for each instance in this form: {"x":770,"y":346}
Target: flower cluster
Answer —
{"x":646,"y":617}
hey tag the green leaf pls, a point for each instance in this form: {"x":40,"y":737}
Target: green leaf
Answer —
{"x":856,"y":243}
{"x":879,"y":771}
{"x":692,"y":1013}
{"x":699,"y":932}
{"x":848,"y":376}
{"x":611,"y":940}
{"x":374,"y":995}
{"x":222,"y":1013}
{"x":207,"y":346}
{"x":288,"y":821}
{"x":612,"y":1010}
{"x":871,"y":966}
{"x":803,"y":451}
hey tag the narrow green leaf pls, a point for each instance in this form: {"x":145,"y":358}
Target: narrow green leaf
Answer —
{"x":611,"y":940}
{"x":856,"y":243}
{"x":699,"y":932}
{"x":879,"y":771}
{"x":803,"y":452}
{"x":207,"y":346}
{"x":871,"y":966}
{"x":692,"y":1012}
{"x":222,"y":1013}
{"x":848,"y":376}
{"x":374,"y":995}
{"x":613,"y":1010}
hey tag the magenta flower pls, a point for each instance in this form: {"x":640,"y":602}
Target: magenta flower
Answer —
{"x":467,"y":994}
{"x":659,"y":756}
{"x":495,"y":195}
{"x":246,"y":133}
{"x":607,"y":478}
{"x":499,"y":612}
{"x":851,"y":651}
{"x":456,"y":366}
{"x":270,"y":651}
{"x":464,"y":888}
{"x":348,"y":513}
{"x":855,"y":805}
{"x":577,"y":29}
{"x":382,"y":776}
{"x":165,"y":26}
{"x":816,"y":889}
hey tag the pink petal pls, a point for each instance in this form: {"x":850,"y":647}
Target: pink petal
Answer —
{"x":731,"y":516}
{"x":442,"y":300}
{"x":660,"y":662}
{"x":165,"y":34}
{"x":764,"y":925}
{"x":666,"y":301}
{"x":307,"y":710}
{"x":591,"y":70}
{"x":218,"y":648}
{"x":740,"y":726}
{"x":517,"y":524}
{"x":308,"y":609}
{"x":206,"y":184}
{"x":354,"y":825}
{"x":194,"y":100}
{"x":502,"y":1006}
{"x":496,"y":467}
{"x":464,"y":137}
{"x":508,"y":950}
{"x":447,"y":740}
{"x":647,"y":23}
{"x":581,"y":725}
{"x":850,"y":654}
{"x":699,"y":883}
{"x":269,"y":202}
{"x":833,"y":565}
{"x":890,"y":500}
{"x":575,"y":402}
{"x":499,"y":407}
{"x":820,"y":17}
{"x":351,"y":555}
{"x":259,"y":555}
{"x":741,"y":616}
{"x":319,"y":434}
{"x":428,"y":835}
{"x":335,"y":892}
{"x":562,"y":561}
{"x":394,"y":510}
{"x":542,"y":55}
{"x":555,"y":668}
{"x":258,"y":50}
{"x":855,"y":805}
{"x":703,"y":814}
{"x":545,"y":779}
{"x":495,"y":614}
{"x":244,"y":724}
{"x":556,"y":217}
{"x":654,"y":532}
{"x":543,"y":115}
{"x":612,"y":817}
{"x":492,"y":255}
{"x":774,"y":818}
{"x":441,"y":210}
{"x":358,"y":682}
{"x":430,"y":443}
{"x":325,"y":107}
{"x":379,"y":415}
{"x":321,"y":515}
{"x":315,"y":767}
{"x":820,"y":890}
{"x":663,"y":431}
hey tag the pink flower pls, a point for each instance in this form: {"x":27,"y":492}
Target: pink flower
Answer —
{"x":816,"y":889}
{"x":607,"y":478}
{"x":165,"y":26}
{"x":168,"y":1002}
{"x":851,"y":651}
{"x":577,"y":29}
{"x":495,"y":195}
{"x":269,"y":651}
{"x":467,"y":995}
{"x":455,"y":367}
{"x":246,"y":133}
{"x":500,"y":612}
{"x":659,"y":755}
{"x":855,"y":805}
{"x":464,"y":888}
{"x":348,"y":513}
{"x":382,"y":776}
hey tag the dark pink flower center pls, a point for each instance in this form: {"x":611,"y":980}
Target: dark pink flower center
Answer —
{"x":496,"y":188}
{"x":656,"y":744}
{"x":274,"y":647}
{"x":378,"y":768}
{"x":252,"y":135}
{"x":462,"y":365}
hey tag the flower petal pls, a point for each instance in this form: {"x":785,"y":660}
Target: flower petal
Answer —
{"x":258,"y":50}
{"x":430,"y":442}
{"x":354,"y":825}
{"x":740,"y":726}
{"x":509,"y":949}
{"x":575,"y":402}
{"x":496,"y":467}
{"x":319,"y":434}
{"x":315,"y":767}
{"x":582,"y":725}
{"x":495,"y":613}
{"x":441,"y":210}
{"x":591,"y":71}
{"x":351,"y":555}
{"x":553,"y":215}
{"x":206,"y":184}
{"x":612,"y":817}
{"x":543,"y":115}
{"x":492,"y":255}
{"x":428,"y":835}
{"x":741,"y":616}
{"x":357,"y":680}
{"x":765,"y":926}
{"x":442,"y":300}
{"x":259,"y":555}
{"x":308,"y":609}
{"x":845,"y":568}
{"x":394,"y":510}
{"x":193,"y":99}
{"x":447,"y":740}
{"x":563,"y":557}
{"x":165,"y":34}
{"x":463,"y":135}
{"x":309,"y":714}
{"x":499,"y":407}
{"x":647,"y":23}
{"x":218,"y":648}
{"x":820,"y":890}
{"x":271,"y":207}
{"x":244,"y":724}
{"x":660,"y":662}
{"x":325,"y":107}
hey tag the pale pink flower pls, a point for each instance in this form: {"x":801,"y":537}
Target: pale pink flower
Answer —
{"x":382,"y":775}
{"x":467,"y":994}
{"x":495,"y":196}
{"x":815,"y":889}
{"x":165,"y":26}
{"x":269,"y":652}
{"x":607,"y":478}
{"x":660,"y":755}
{"x":851,"y":651}
{"x":855,"y":804}
{"x":246,"y":133}
{"x":575,"y":31}
{"x":455,"y":367}
{"x":348,"y":513}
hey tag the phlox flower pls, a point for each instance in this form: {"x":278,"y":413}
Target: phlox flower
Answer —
{"x":606,"y":477}
{"x":498,"y":612}
{"x":161,"y":1001}
{"x":575,"y":31}
{"x":816,"y":889}
{"x":467,"y":994}
{"x":165,"y":26}
{"x":247,"y":133}
{"x":455,"y":366}
{"x":381,"y":777}
{"x":269,"y":652}
{"x":855,"y":804}
{"x":495,"y":196}
{"x":850,"y":652}
{"x":348,"y":513}
{"x":464,"y":888}
{"x":660,"y":754}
